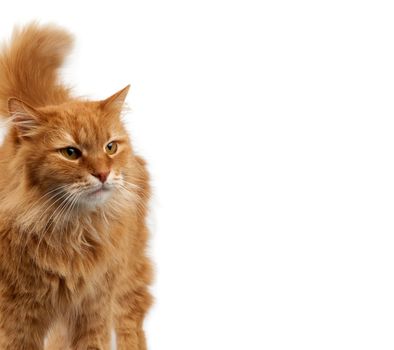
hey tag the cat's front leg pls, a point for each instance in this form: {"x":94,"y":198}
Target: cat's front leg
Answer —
{"x":91,"y":328}
{"x":23,"y":324}
{"x":132,"y":301}
{"x":129,"y":319}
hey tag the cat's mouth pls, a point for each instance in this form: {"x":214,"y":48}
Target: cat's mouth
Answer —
{"x":98,"y":193}
{"x":98,"y":190}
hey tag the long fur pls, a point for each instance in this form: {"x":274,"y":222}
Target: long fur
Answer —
{"x":29,"y":65}
{"x":69,"y":272}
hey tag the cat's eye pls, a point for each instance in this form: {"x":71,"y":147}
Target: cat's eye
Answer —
{"x":70,"y":153}
{"x":111,"y":148}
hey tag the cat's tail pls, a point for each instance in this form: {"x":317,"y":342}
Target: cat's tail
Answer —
{"x":29,"y":65}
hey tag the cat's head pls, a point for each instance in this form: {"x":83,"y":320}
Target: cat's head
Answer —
{"x":77,"y":153}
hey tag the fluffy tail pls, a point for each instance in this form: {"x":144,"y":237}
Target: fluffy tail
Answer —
{"x":29,"y":65}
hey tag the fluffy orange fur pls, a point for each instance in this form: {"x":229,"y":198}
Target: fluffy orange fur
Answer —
{"x":73,"y":199}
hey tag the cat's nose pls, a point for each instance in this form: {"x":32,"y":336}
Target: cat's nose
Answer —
{"x":102,"y":175}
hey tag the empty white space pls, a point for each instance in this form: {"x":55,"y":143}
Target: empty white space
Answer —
{"x":268,"y":128}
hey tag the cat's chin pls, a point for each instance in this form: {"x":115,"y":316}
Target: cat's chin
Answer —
{"x":96,"y":198}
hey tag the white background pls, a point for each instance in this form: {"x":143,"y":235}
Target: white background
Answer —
{"x":268,"y":127}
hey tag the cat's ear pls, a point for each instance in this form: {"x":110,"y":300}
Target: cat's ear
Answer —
{"x":116,"y":101}
{"x":25,"y":118}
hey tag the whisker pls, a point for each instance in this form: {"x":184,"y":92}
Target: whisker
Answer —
{"x":64,"y":199}
{"x":64,"y":215}
{"x":66,"y":202}
{"x":38,"y":221}
{"x":133,"y":185}
{"x":58,"y":188}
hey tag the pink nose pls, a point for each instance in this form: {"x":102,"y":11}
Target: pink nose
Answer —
{"x":102,"y":176}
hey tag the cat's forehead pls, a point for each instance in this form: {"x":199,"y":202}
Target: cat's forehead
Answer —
{"x":87,"y":129}
{"x":84,"y":126}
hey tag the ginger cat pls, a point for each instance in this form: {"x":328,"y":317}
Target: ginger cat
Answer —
{"x":73,"y":200}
